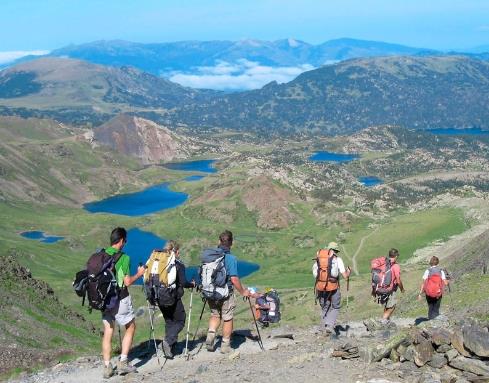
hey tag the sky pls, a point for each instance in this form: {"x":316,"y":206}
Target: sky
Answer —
{"x":37,"y":25}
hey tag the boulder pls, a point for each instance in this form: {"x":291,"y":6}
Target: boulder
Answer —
{"x":451,"y":354}
{"x":440,"y":336}
{"x":423,"y":352}
{"x":470,"y":365}
{"x":409,"y":353}
{"x":437,"y":361}
{"x":457,"y":341}
{"x":392,"y":343}
{"x":476,"y":340}
{"x":444,"y":348}
{"x":394,"y":356}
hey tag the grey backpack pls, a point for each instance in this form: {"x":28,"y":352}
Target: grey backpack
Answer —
{"x":213,"y":275}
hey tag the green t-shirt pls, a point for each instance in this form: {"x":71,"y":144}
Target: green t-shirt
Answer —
{"x":122,"y":266}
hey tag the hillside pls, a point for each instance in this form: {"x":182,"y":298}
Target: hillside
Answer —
{"x":414,"y":92}
{"x":36,"y":328}
{"x":78,"y":91}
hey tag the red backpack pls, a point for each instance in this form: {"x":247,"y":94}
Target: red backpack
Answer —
{"x":433,"y":285}
{"x":382,"y":281}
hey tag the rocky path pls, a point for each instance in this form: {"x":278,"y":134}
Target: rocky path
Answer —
{"x":306,"y":358}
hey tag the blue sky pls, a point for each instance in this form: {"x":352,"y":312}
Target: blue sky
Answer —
{"x":48,"y":24}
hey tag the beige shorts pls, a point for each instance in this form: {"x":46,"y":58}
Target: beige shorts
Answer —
{"x":223,"y":309}
{"x":125,"y":313}
{"x":391,"y":301}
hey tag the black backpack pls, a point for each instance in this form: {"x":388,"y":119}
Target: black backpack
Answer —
{"x":98,"y":282}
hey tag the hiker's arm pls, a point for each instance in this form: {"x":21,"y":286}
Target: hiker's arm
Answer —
{"x":183,"y":279}
{"x":129,"y":280}
{"x":238,"y":286}
{"x":346,"y":273}
{"x":401,"y":286}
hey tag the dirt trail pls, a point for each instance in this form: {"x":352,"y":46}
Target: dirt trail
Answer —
{"x":359,"y":249}
{"x":305,"y":358}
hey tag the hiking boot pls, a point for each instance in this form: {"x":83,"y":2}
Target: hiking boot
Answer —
{"x":210,"y":340}
{"x":123,"y":367}
{"x":108,"y":371}
{"x":166,"y":349}
{"x":226,"y":347}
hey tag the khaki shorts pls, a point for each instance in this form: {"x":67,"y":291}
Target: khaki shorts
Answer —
{"x":391,"y":301}
{"x":223,"y":309}
{"x":125,"y":313}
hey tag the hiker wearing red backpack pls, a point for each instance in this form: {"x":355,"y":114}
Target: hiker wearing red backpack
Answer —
{"x":386,"y":279}
{"x":327,"y":269}
{"x":434,"y":282}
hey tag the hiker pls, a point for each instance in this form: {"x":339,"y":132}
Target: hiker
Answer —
{"x":172,"y":309}
{"x":222,"y":306}
{"x":434,"y":282}
{"x":327,"y":269}
{"x":386,"y":279}
{"x":123,"y":313}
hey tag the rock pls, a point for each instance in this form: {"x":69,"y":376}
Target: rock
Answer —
{"x":391,"y":344}
{"x":451,"y":354}
{"x":457,"y":341}
{"x":476,"y":340}
{"x":429,"y":377}
{"x":443,"y":348}
{"x":437,"y":361}
{"x":235,"y":355}
{"x":271,"y":346}
{"x":470,"y":365}
{"x":409,"y":353}
{"x":440,"y":336}
{"x":423,"y":352}
{"x":394,"y":356}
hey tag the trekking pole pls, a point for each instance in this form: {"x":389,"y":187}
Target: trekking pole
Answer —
{"x":260,"y":343}
{"x":198,"y":326}
{"x":188,"y":323}
{"x":120,"y":337}
{"x":347,"y":300}
{"x":153,"y":330}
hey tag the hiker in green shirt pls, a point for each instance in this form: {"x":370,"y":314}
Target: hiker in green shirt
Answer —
{"x":123,"y":314}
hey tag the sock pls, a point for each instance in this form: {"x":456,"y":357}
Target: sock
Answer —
{"x":107,"y":363}
{"x":226,"y":340}
{"x":123,"y":357}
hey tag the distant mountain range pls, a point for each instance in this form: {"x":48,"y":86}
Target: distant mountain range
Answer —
{"x":416,"y":92}
{"x":164,"y":58}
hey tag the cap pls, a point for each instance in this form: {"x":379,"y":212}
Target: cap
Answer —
{"x":333,"y":246}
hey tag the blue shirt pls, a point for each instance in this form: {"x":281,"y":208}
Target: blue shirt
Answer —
{"x":231,"y":265}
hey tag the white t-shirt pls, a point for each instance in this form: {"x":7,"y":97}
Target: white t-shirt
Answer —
{"x":337,"y":267}
{"x":427,"y":272}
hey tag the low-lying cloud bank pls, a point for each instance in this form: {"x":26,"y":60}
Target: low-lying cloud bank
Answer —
{"x":9,"y":56}
{"x":240,"y":75}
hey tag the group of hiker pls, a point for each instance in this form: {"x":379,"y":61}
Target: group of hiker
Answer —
{"x":107,"y":277}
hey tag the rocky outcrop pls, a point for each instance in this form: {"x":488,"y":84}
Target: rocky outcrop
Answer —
{"x":140,"y":138}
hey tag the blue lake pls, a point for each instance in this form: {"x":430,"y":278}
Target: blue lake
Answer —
{"x":147,"y":201}
{"x":41,"y":236}
{"x":194,"y":178}
{"x":333,"y":157}
{"x":459,"y":132}
{"x":140,"y":244}
{"x":370,"y":181}
{"x":206,"y":166}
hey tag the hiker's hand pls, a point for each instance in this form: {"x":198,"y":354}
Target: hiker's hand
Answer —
{"x":141,"y":271}
{"x":246,"y":293}
{"x":194,"y":283}
{"x":419,"y":297}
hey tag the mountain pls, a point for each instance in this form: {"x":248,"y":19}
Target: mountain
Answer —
{"x":416,"y":92}
{"x":141,"y":138}
{"x":185,"y":56}
{"x":78,"y":91}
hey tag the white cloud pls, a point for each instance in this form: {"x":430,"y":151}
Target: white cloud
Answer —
{"x":9,"y":56}
{"x":239,"y":75}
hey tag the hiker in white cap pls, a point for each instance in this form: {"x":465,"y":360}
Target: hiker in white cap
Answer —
{"x":326,"y":269}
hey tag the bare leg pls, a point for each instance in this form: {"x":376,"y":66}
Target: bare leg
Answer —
{"x":227,"y":329}
{"x":214,"y":323}
{"x":388,"y":312}
{"x":128,"y":337}
{"x":106,"y":341}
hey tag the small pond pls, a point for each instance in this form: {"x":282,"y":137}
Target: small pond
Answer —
{"x":333,"y":157}
{"x":41,"y":236}
{"x":205,"y":166}
{"x":193,"y":178}
{"x":370,"y":181}
{"x":459,"y":132}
